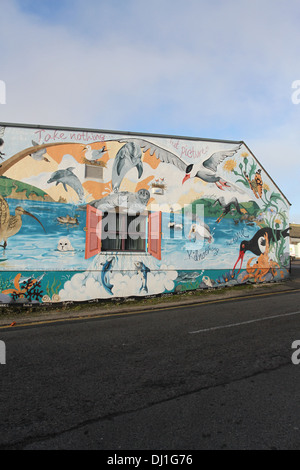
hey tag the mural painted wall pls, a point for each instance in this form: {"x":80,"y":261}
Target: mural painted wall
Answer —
{"x":91,"y":215}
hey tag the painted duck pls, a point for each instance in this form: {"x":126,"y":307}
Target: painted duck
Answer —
{"x":68,"y":220}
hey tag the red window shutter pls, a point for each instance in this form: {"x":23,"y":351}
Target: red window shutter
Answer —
{"x":93,"y":231}
{"x":154,"y":234}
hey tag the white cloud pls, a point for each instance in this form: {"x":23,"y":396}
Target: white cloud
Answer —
{"x":210,"y":69}
{"x":90,"y":285}
{"x":117,"y":65}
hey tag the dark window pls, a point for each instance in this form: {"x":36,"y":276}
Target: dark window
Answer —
{"x":119,"y":231}
{"x":123,"y":232}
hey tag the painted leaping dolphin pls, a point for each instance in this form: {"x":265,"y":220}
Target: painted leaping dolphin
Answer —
{"x":67,"y":178}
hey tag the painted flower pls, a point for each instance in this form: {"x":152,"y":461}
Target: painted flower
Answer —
{"x":244,"y":155}
{"x":229,"y":165}
{"x":277,"y":223}
{"x":266,"y":187}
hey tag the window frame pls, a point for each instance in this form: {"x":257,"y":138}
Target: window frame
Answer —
{"x":152,"y":232}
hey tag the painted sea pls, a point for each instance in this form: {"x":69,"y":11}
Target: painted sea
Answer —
{"x":193,"y":254}
{"x":33,"y":249}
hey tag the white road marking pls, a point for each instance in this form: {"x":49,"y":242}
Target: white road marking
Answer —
{"x":244,"y":322}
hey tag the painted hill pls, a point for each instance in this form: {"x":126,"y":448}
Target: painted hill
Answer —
{"x":251,"y":207}
{"x":13,"y":189}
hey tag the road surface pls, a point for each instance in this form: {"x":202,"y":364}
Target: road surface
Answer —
{"x":213,"y":376}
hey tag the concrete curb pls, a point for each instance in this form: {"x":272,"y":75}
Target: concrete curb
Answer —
{"x":96,"y":310}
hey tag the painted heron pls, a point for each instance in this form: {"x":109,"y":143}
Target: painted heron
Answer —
{"x":11,"y":224}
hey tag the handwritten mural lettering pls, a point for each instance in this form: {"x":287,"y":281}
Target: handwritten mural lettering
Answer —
{"x":240,"y":234}
{"x":174,"y":143}
{"x":57,"y":135}
{"x":190,"y":152}
{"x":87,"y":136}
{"x":50,"y":136}
{"x":198,"y":255}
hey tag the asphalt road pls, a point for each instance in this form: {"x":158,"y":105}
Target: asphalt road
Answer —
{"x":213,"y":376}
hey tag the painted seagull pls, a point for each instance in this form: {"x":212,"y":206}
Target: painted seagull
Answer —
{"x":39,"y":155}
{"x":226,"y":206}
{"x":93,"y":155}
{"x":257,"y":244}
{"x":206,"y":170}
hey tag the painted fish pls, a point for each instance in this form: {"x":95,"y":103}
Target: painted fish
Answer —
{"x":143,"y":270}
{"x":67,"y":178}
{"x":186,"y":277}
{"x":26,"y":279}
{"x":107,"y":266}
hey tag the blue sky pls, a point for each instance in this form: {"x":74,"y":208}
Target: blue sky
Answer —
{"x":219,"y":69}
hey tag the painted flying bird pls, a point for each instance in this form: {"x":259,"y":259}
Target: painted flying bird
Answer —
{"x":39,"y":154}
{"x":257,"y":244}
{"x":226,"y":206}
{"x":11,"y":224}
{"x":206,"y":170}
{"x":93,"y":155}
{"x":128,"y":157}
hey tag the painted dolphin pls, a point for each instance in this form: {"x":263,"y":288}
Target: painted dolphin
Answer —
{"x":107,"y":266}
{"x":67,"y":178}
{"x":143,"y":270}
{"x":129,"y":156}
